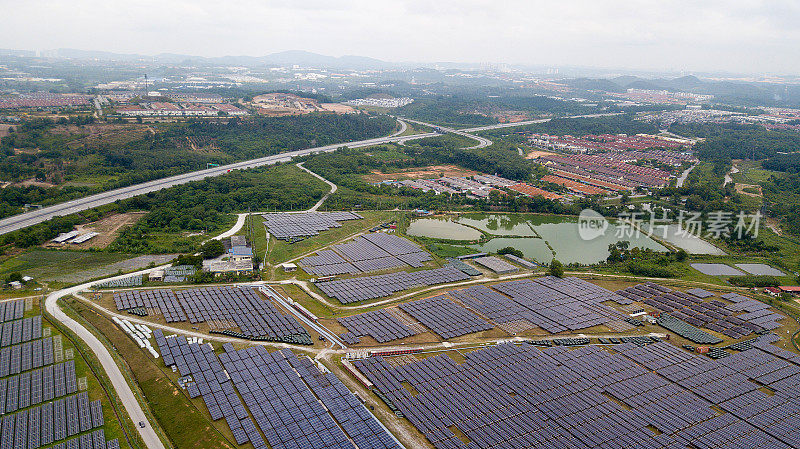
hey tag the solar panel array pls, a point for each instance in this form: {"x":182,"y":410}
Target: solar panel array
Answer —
{"x":654,"y":396}
{"x":294,"y":227}
{"x":295,"y":405}
{"x":445,"y":318}
{"x":126,"y":282}
{"x":26,"y":356}
{"x":686,"y":330}
{"x":369,"y":252}
{"x":55,"y":421}
{"x":238,"y":312}
{"x":38,"y":399}
{"x":700,"y":293}
{"x":556,"y":304}
{"x":378,"y":324}
{"x":714,"y":315}
{"x":162,"y":301}
{"x":382,"y":285}
{"x":12,"y":310}
{"x":21,"y":330}
{"x":210,"y":381}
{"x":34,"y":387}
{"x":226,"y":308}
{"x":291,"y":402}
{"x":496,"y":264}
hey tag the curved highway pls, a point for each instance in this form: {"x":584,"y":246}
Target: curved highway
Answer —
{"x":31,"y":218}
{"x":20,"y":221}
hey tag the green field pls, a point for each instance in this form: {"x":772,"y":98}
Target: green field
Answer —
{"x":750,"y":172}
{"x":46,"y":264}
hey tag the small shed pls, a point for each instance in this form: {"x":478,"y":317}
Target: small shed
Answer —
{"x":289,"y":267}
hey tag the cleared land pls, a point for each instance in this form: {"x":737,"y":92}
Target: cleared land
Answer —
{"x":434,"y":171}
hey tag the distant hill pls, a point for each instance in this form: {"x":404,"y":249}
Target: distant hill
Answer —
{"x":284,"y":58}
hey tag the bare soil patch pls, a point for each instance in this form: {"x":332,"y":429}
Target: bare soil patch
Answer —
{"x":4,"y":130}
{"x":537,"y":153}
{"x":740,"y":188}
{"x":434,"y":171}
{"x":108,"y":227}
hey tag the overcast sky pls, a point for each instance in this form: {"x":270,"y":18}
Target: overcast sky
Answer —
{"x":748,"y":36}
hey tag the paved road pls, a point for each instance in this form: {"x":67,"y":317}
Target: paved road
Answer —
{"x":20,"y":221}
{"x":334,"y":187}
{"x":31,"y":218}
{"x":685,"y":174}
{"x":124,"y":391}
{"x":482,"y":141}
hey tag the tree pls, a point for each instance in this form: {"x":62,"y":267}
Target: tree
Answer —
{"x":510,"y":250}
{"x":556,"y":269}
{"x":212,"y":249}
{"x":15,"y":276}
{"x":681,"y":255}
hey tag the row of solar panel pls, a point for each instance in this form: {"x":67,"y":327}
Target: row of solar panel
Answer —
{"x":377,"y":324}
{"x":371,"y":287}
{"x":33,"y":387}
{"x":290,"y":227}
{"x":26,"y":356}
{"x":51,"y":422}
{"x":12,"y":310}
{"x":20,"y":331}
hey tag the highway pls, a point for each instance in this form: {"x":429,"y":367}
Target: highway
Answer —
{"x":24,"y":220}
{"x":31,"y":218}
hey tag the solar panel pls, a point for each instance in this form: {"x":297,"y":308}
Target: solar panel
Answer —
{"x":633,"y":396}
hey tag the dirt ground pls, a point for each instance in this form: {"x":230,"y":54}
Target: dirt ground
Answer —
{"x":33,"y":182}
{"x":433,"y":171}
{"x":109,"y":227}
{"x":4,"y":130}
{"x":537,"y":153}
{"x":740,"y":189}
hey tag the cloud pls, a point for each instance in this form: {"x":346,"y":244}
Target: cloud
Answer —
{"x":733,"y":35}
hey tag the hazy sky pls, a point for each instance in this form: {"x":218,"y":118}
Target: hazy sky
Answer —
{"x":748,"y":36}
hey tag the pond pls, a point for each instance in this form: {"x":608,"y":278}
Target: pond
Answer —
{"x":442,"y":228}
{"x":532,"y":234}
{"x":685,"y":241}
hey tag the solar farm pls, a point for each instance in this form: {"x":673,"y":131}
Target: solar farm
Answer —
{"x":370,"y":252}
{"x":273,"y":398}
{"x":379,"y":286}
{"x":295,"y":227}
{"x":237,"y":312}
{"x":40,"y":401}
{"x":378,"y":324}
{"x":622,"y":396}
{"x":733,"y":315}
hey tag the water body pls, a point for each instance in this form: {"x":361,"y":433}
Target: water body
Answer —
{"x":500,"y":224}
{"x":532,"y":248}
{"x":532,"y":234}
{"x":685,"y":241}
{"x":442,"y":228}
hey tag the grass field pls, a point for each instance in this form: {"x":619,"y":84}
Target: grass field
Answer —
{"x":48,"y":264}
{"x":750,"y":172}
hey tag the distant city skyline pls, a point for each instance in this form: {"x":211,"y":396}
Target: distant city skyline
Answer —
{"x":738,"y":36}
